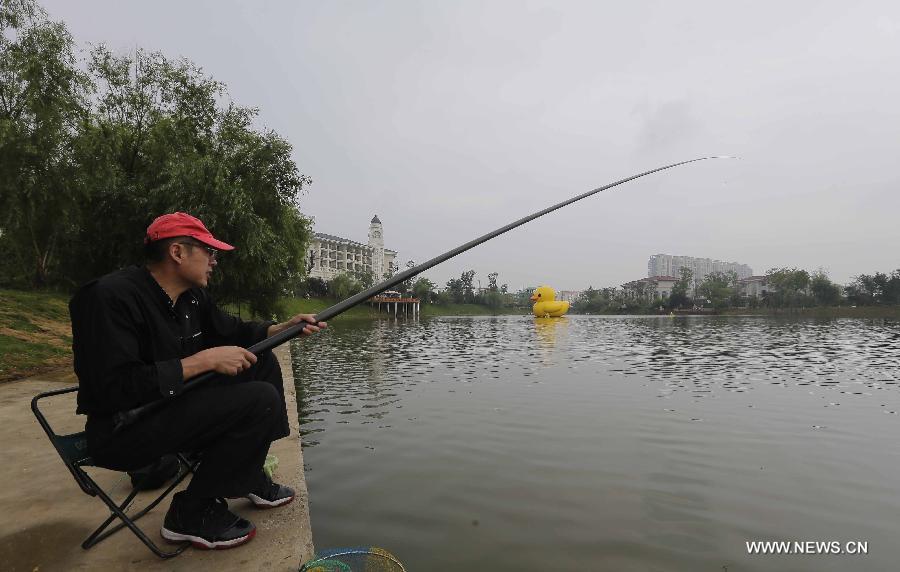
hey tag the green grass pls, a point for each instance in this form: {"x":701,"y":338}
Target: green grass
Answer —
{"x":34,"y":304}
{"x":21,"y":358}
{"x":430,"y":310}
{"x":34,"y":332}
{"x":293,"y":306}
{"x":19,"y":322}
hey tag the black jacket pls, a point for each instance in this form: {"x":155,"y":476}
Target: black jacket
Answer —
{"x":128,"y":339}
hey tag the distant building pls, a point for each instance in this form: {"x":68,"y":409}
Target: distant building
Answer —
{"x":649,"y":288}
{"x":331,"y":255}
{"x":568,"y":295}
{"x":669,"y":265}
{"x":754,"y":286}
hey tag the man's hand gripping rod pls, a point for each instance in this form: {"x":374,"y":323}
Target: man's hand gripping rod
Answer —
{"x":126,"y":418}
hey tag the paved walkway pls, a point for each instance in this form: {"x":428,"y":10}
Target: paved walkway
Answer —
{"x":45,"y":516}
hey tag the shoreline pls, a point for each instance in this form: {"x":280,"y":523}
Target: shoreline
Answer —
{"x":865,"y":312}
{"x":35,"y":336}
{"x":364,"y":311}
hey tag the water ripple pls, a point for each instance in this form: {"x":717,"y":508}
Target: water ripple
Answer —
{"x":619,"y":442}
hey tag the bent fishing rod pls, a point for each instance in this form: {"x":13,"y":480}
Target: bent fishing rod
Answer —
{"x":126,"y":418}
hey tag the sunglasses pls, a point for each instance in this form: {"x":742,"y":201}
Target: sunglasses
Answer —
{"x":212,"y":252}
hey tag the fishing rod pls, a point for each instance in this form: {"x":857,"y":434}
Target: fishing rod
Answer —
{"x":126,"y":418}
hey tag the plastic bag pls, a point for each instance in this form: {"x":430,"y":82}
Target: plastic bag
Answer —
{"x":270,"y":465}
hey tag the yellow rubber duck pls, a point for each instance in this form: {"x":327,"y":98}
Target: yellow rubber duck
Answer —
{"x":545,"y":304}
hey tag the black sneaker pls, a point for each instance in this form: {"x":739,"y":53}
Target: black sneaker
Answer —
{"x":205,"y":523}
{"x":270,"y":494}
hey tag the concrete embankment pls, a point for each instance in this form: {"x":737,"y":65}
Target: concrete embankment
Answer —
{"x":46,"y":516}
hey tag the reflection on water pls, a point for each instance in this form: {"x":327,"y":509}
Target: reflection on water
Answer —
{"x":609,"y":442}
{"x":549,"y":331}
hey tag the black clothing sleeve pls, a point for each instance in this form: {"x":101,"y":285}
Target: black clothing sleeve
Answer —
{"x":129,"y":338}
{"x":107,"y":343}
{"x":223,"y":329}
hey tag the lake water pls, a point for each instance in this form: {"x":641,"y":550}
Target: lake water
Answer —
{"x":604,"y":442}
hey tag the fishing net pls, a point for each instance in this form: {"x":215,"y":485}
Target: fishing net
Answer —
{"x":358,"y":559}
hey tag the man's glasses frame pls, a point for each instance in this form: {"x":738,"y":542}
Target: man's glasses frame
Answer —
{"x":212,"y":252}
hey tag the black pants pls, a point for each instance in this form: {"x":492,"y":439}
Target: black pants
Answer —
{"x":231,"y":420}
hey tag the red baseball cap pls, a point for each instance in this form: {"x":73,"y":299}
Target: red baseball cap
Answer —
{"x":183,"y":224}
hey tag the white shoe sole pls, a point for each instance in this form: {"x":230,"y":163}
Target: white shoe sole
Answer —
{"x":263,"y":503}
{"x":199,"y":542}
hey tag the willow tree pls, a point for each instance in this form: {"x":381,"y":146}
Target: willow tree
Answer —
{"x":42,"y":108}
{"x":92,"y":151}
{"x":160,"y":141}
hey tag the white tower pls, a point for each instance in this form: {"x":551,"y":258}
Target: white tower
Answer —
{"x":376,"y":243}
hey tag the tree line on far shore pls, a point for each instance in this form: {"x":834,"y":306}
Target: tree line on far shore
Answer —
{"x":460,"y":290}
{"x":92,"y":148}
{"x":783,"y":288}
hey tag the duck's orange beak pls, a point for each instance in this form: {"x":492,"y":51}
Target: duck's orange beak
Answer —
{"x":534,"y":297}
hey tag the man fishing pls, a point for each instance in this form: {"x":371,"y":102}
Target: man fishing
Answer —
{"x":138,"y":334}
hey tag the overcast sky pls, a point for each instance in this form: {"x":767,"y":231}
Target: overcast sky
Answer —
{"x":450,"y":119}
